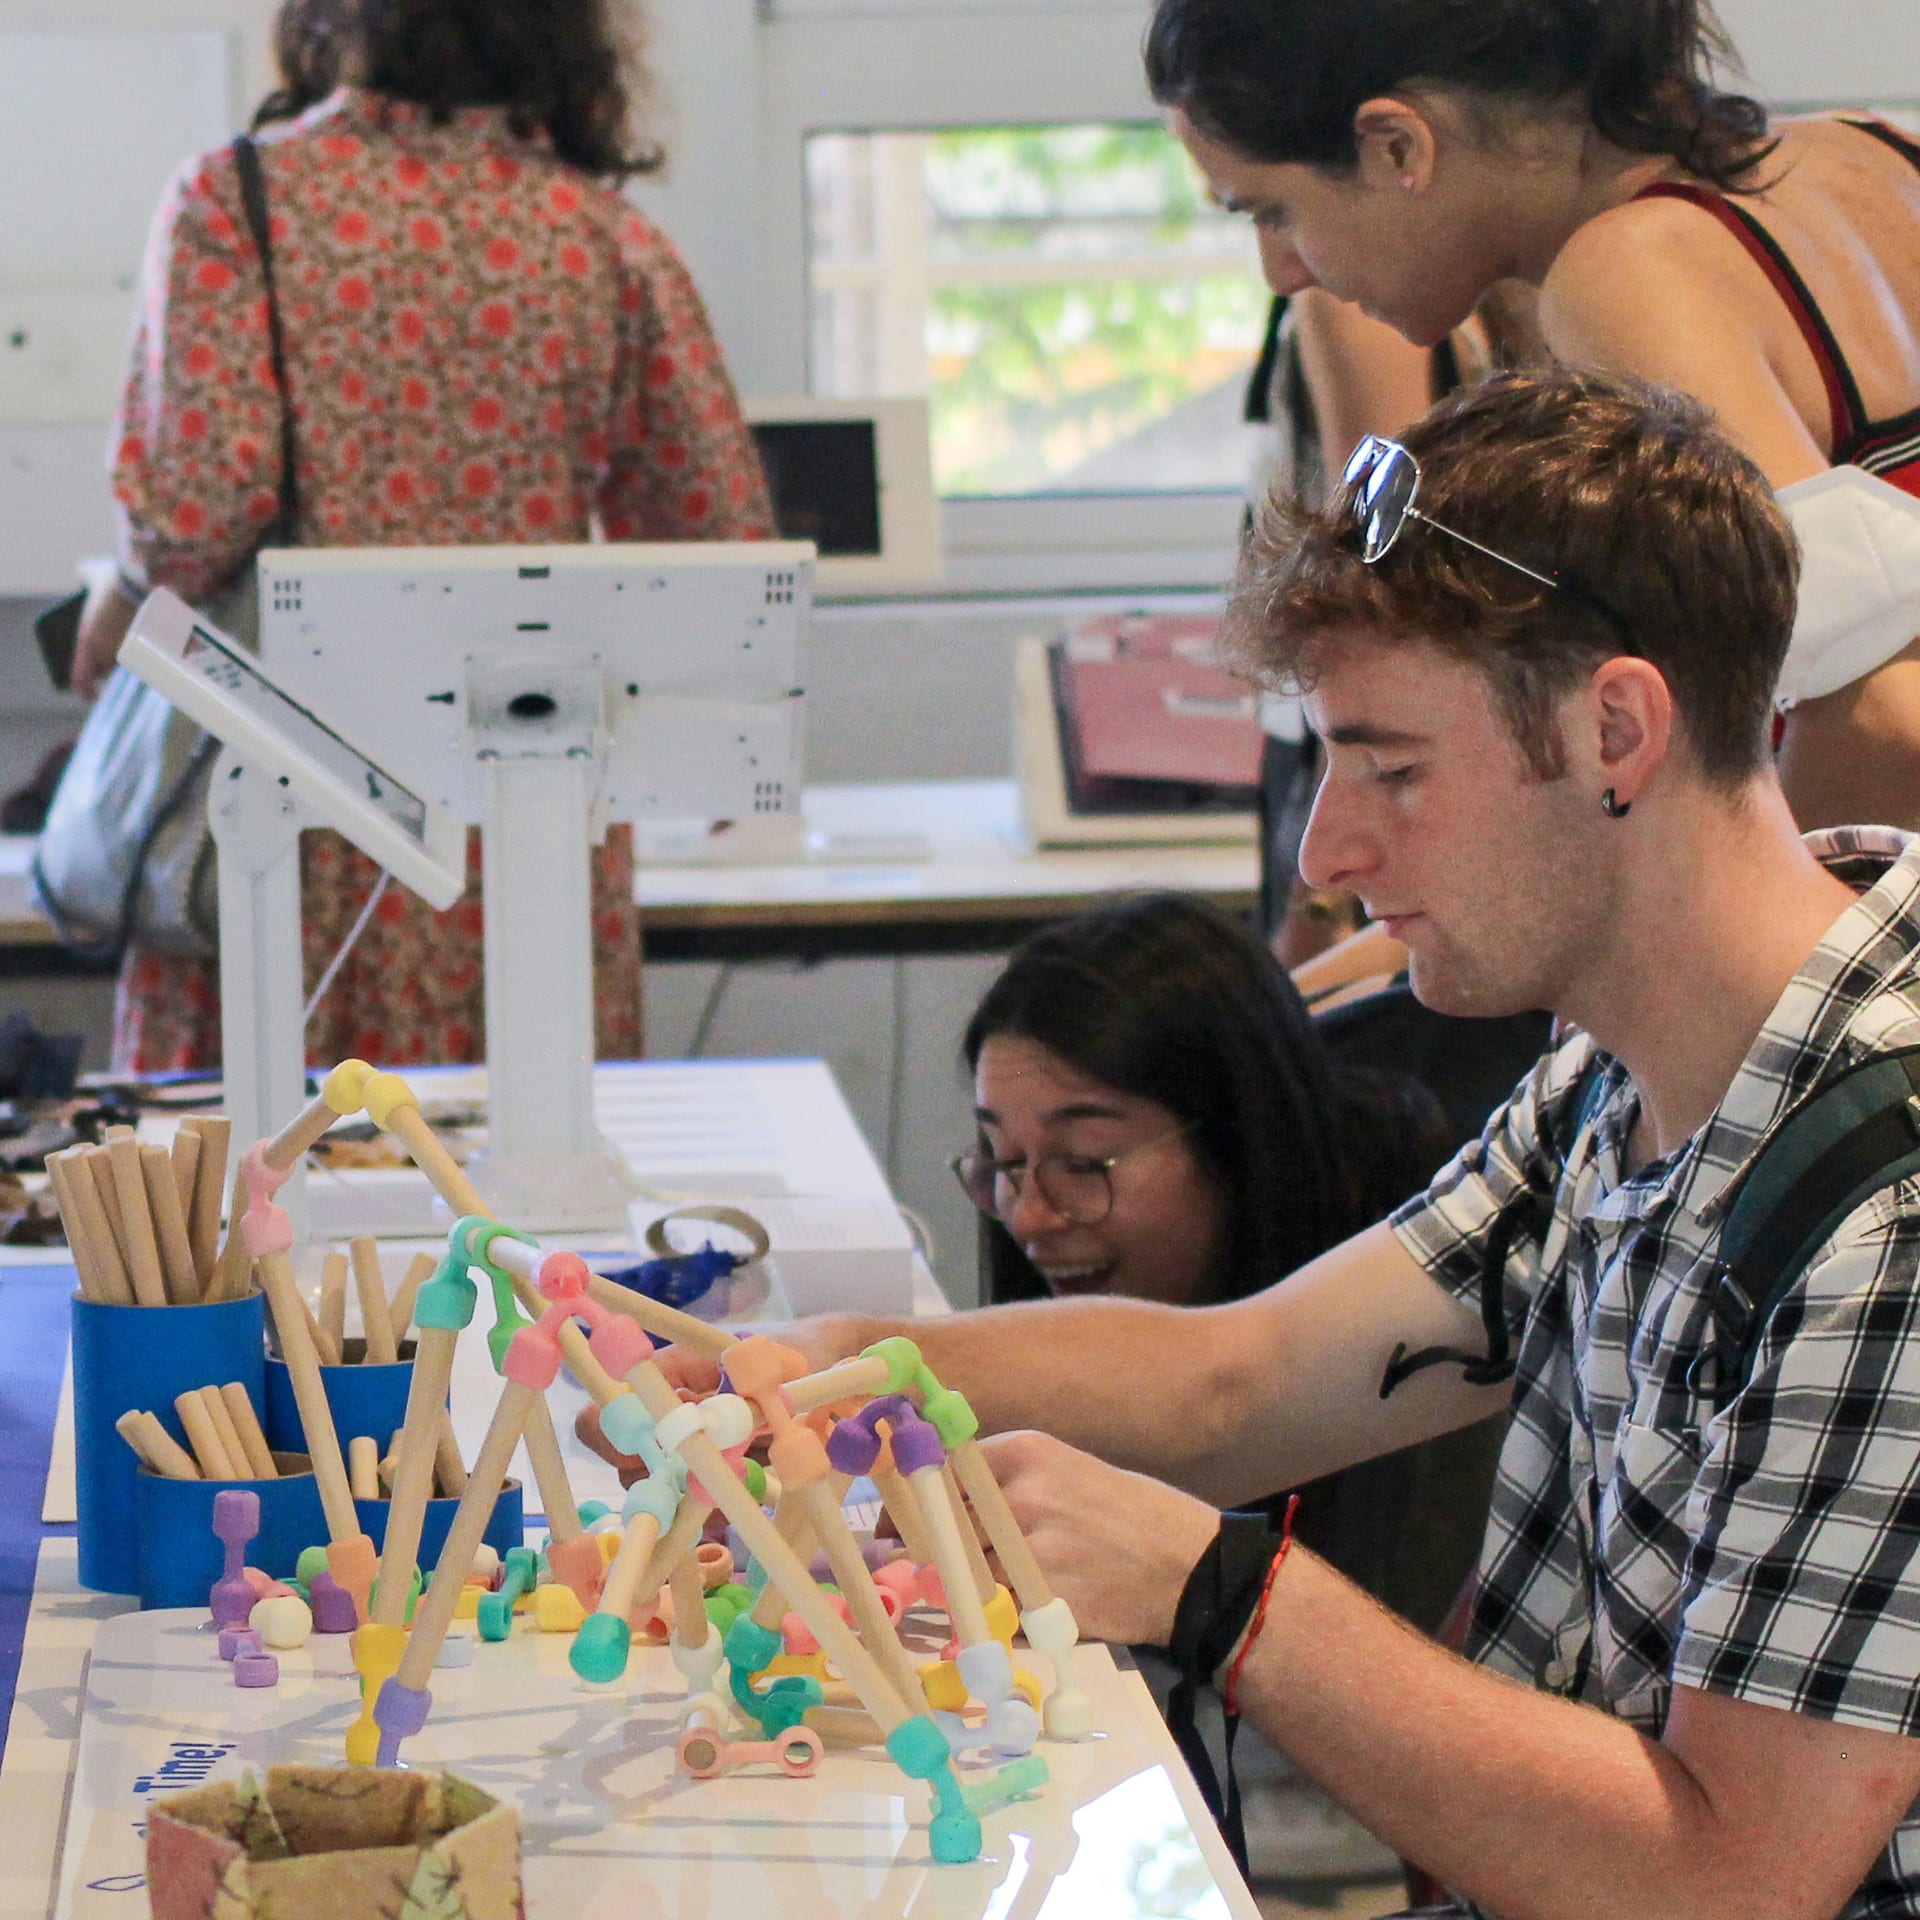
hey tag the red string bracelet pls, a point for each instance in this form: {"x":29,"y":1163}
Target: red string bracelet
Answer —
{"x":1229,"y":1693}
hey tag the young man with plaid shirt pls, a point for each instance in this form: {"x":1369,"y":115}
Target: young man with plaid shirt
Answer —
{"x":1540,"y":639}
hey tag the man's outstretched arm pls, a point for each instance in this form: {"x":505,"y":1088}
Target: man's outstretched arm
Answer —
{"x":1229,"y":1402}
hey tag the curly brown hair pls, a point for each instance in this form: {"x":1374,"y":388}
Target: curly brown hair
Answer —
{"x":1669,"y":537}
{"x":573,"y":69}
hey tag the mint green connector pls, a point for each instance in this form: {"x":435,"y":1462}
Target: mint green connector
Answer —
{"x":919,"y":1749}
{"x":517,"y":1576}
{"x":1015,"y":1781}
{"x":599,"y":1650}
{"x":784,"y":1703}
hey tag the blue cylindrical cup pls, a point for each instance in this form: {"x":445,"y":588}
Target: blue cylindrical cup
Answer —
{"x":180,"y":1554}
{"x":141,"y":1357}
{"x":365,"y":1399}
{"x":506,"y":1530}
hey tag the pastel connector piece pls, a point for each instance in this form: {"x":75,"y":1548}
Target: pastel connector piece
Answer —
{"x":532,"y":1359}
{"x":699,"y":1665}
{"x":950,"y":1414}
{"x":1017,"y":1780}
{"x":904,"y":1364}
{"x":383,"y":1095}
{"x":377,"y":1652}
{"x":494,"y":1615}
{"x":400,"y":1712}
{"x":798,"y":1457}
{"x":332,"y":1604}
{"x":627,"y":1424}
{"x":577,"y":1566}
{"x":916,"y":1443}
{"x":354,"y":1566}
{"x":344,"y":1089}
{"x":448,"y":1299}
{"x":919,"y":1749}
{"x":235,"y":1641}
{"x":599,"y":1650}
{"x":704,"y":1754}
{"x":264,"y":1228}
{"x":620,"y":1345}
{"x":255,"y":1670}
{"x":561,"y":1276}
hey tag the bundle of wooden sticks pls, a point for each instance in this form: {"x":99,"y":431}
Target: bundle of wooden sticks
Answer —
{"x":143,"y":1223}
{"x":228,"y":1443}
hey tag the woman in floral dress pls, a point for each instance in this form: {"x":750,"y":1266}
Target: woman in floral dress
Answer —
{"x":484,"y":343}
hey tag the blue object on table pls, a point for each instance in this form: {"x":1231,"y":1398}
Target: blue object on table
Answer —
{"x":128,"y":1357}
{"x":365,"y":1399}
{"x":180,"y":1554}
{"x":678,"y":1279}
{"x":506,"y":1530}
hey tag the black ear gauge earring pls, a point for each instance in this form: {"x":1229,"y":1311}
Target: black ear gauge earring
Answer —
{"x":1613,"y":808}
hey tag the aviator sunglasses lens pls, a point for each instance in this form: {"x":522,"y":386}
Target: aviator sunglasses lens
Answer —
{"x":1384,"y":498}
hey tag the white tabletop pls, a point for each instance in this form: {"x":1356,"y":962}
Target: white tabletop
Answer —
{"x":977,"y":864}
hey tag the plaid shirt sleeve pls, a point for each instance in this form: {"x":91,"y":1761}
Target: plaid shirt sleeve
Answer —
{"x":1802,"y":1589}
{"x":1501,"y":1186}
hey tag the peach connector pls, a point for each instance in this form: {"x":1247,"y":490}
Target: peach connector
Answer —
{"x":576,"y":1563}
{"x":562,"y":1276}
{"x":353,"y":1564}
{"x":759,"y":1367}
{"x":264,"y":1227}
{"x":533,"y":1359}
{"x":619,"y":1344}
{"x":798,"y":1458}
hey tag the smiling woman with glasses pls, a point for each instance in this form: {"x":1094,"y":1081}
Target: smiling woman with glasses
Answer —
{"x":1158,"y":1115}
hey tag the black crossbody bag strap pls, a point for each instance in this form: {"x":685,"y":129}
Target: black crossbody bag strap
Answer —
{"x":1841,"y":1145}
{"x":253,"y":197}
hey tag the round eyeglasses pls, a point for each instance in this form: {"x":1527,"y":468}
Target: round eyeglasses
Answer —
{"x":1076,"y":1186}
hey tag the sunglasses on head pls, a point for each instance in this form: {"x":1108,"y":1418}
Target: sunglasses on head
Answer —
{"x":1385,"y":479}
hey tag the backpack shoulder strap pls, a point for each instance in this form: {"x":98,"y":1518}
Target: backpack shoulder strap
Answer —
{"x":1841,"y":1145}
{"x":1533,"y":1210}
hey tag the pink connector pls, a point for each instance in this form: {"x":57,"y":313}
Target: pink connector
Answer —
{"x":619,"y":1344}
{"x":561,"y":1276}
{"x":264,"y":1227}
{"x":533,"y":1357}
{"x":704,"y":1753}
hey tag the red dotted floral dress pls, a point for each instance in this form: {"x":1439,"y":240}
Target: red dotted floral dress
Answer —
{"x":483,"y":345}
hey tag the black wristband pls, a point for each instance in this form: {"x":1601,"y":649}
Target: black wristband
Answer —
{"x":1214,"y":1609}
{"x":1220,"y":1595}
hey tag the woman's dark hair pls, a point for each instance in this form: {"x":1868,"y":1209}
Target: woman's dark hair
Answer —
{"x":1169,"y":998}
{"x":1281,"y":80}
{"x":570,"y":68}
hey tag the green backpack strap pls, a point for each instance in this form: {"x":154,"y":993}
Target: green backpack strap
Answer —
{"x":1842,"y":1144}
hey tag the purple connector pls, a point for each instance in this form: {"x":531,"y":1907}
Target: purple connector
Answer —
{"x":916,"y":1444}
{"x":332,"y":1604}
{"x":235,"y":1641}
{"x":236,"y":1519}
{"x":399,"y":1713}
{"x":256,"y":1670}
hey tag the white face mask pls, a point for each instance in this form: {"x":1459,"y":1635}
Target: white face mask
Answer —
{"x":1859,"y":580}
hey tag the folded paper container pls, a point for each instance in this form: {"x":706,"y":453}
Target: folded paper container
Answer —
{"x":350,"y":1843}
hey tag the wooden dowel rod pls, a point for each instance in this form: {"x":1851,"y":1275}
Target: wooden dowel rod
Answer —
{"x":557,"y":1504}
{"x":86,"y":1256}
{"x":363,"y":1466}
{"x":903,"y":1504}
{"x":316,"y":1417}
{"x":98,"y":1164}
{"x":983,"y":1581}
{"x":435,"y":1612}
{"x":629,"y":1562}
{"x":185,"y":1163}
{"x":820,"y":1503}
{"x":228,"y":1429}
{"x":156,"y":1446}
{"x":169,"y":1227}
{"x":203,"y":1217}
{"x":1031,"y":1587}
{"x":232,"y":1266}
{"x":855,"y":1379}
{"x":413,"y":1471}
{"x":324,"y":1344}
{"x":136,"y":1218}
{"x":253,"y":1442}
{"x":400,"y":1313}
{"x":207,"y":1446}
{"x":332,"y":1313}
{"x":690,"y":1623}
{"x":371,"y":1285}
{"x":679,"y":1540}
{"x":949,"y":1555}
{"x":449,"y":1470}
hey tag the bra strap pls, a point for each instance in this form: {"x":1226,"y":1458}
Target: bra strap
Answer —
{"x":1844,"y":406}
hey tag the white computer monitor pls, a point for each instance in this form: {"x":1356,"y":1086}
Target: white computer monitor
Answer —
{"x":856,"y":478}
